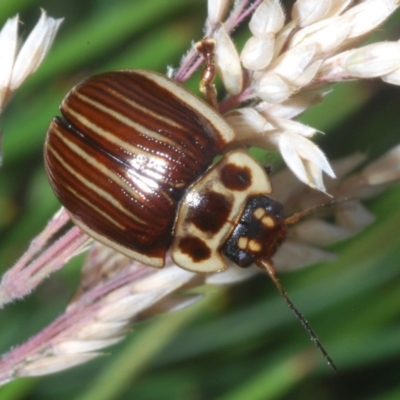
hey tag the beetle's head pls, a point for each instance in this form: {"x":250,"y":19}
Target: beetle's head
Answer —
{"x":258,"y":233}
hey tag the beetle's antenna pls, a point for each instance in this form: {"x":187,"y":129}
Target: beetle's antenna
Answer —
{"x":293,"y":219}
{"x":268,"y":266}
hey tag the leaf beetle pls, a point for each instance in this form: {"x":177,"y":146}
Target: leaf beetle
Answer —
{"x":132,"y":161}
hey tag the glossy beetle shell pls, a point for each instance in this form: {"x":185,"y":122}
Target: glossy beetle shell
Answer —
{"x":128,"y":146}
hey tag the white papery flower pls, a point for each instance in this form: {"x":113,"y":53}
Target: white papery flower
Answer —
{"x":216,"y":11}
{"x":307,"y":12}
{"x":285,"y":63}
{"x":16,"y":65}
{"x":303,"y":157}
{"x":228,"y":61}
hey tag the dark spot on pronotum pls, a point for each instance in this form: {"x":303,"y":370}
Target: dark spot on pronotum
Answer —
{"x":195,"y":248}
{"x":235,"y":177}
{"x":211,"y":212}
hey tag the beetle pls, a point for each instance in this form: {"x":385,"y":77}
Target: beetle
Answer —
{"x":132,"y":161}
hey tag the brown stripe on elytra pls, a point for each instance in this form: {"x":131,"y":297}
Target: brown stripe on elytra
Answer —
{"x":130,"y":131}
{"x":132,"y":115}
{"x":210,"y":211}
{"x":138,"y":89}
{"x":150,"y":95}
{"x":161,"y":150}
{"x":126,"y":118}
{"x":154,"y":169}
{"x":59,"y":146}
{"x":148,"y":173}
{"x":187,"y":157}
{"x":126,"y":178}
{"x":148,"y":238}
{"x":117,"y":142}
{"x":236,"y":177}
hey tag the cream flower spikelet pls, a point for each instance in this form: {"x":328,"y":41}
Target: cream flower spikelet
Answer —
{"x":285,"y":63}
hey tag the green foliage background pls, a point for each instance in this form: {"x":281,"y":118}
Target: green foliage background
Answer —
{"x":240,"y":342}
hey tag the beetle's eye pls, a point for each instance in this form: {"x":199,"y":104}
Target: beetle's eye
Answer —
{"x":244,"y":259}
{"x":275,"y":208}
{"x":258,"y":233}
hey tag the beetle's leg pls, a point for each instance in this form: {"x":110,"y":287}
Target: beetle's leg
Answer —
{"x":206,"y":47}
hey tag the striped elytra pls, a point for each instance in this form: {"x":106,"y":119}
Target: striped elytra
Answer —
{"x":123,"y":154}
